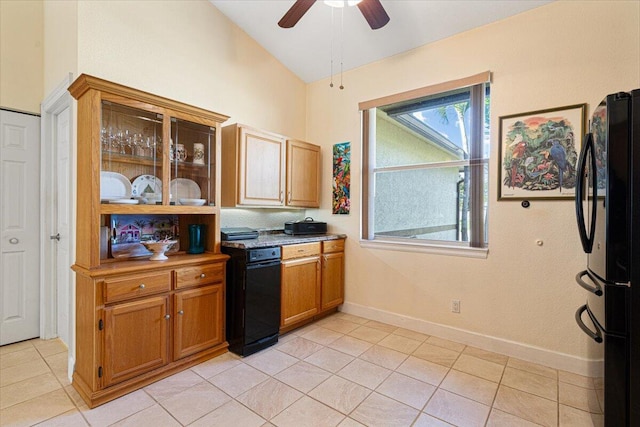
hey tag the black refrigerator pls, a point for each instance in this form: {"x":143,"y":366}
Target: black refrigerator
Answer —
{"x":608,"y":214}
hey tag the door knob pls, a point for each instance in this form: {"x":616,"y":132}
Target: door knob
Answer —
{"x":56,"y":237}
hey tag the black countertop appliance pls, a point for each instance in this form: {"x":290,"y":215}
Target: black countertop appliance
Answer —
{"x":306,"y":226}
{"x":608,"y":212}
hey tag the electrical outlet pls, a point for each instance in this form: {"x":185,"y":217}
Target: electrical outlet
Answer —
{"x":455,"y":305}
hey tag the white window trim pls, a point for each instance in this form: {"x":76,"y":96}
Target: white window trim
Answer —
{"x":427,"y":248}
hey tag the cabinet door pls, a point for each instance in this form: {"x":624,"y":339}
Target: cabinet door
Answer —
{"x":261,"y":170}
{"x":303,"y":174}
{"x":300,"y":289}
{"x":198,"y":320}
{"x":135,"y":338}
{"x":332,"y":280}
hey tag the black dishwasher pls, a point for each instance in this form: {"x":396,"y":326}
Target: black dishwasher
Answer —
{"x":253,"y":298}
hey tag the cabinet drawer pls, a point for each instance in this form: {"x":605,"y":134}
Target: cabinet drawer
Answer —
{"x":122,"y":288}
{"x":329,"y":246}
{"x":301,"y":250}
{"x":199,"y":275}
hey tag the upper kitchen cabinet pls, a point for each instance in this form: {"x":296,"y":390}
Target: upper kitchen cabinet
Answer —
{"x":303,"y":174}
{"x":145,"y":159}
{"x":253,"y":164}
{"x":264,"y":169}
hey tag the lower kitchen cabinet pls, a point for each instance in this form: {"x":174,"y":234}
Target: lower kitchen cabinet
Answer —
{"x":332,"y":290}
{"x":197,"y":320}
{"x":135,"y":338}
{"x":140,"y":321}
{"x":312,"y":281}
{"x":300,"y":295}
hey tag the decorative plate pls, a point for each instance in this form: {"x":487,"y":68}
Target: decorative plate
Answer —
{"x":114,"y":186}
{"x":146,"y":184}
{"x":184,"y":188}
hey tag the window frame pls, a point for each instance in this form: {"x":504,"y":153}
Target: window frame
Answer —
{"x":476,"y":246}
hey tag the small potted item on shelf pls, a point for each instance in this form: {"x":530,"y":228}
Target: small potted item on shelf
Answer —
{"x":198,"y":153}
{"x":151,"y":198}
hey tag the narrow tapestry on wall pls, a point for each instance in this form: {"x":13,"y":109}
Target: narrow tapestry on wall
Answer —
{"x":341,"y":178}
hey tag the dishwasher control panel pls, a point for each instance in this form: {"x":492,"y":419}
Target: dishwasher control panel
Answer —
{"x":263,"y":254}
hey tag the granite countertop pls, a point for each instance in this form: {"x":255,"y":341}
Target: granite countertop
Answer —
{"x":279,"y":239}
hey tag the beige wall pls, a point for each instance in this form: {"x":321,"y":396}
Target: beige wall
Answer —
{"x":567,"y":52}
{"x":189,"y":51}
{"x":21,"y":50}
{"x":60,"y":41}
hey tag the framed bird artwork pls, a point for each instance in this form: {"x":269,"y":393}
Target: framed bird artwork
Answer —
{"x":538,"y":152}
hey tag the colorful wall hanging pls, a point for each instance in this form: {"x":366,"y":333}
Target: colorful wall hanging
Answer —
{"x":538,"y":152}
{"x":341,"y":177}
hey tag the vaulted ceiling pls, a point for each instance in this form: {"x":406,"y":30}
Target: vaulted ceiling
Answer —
{"x":343,"y":34}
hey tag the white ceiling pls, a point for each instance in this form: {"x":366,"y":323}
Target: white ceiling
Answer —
{"x":306,"y":48}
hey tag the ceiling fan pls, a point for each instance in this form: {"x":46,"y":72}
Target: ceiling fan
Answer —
{"x":372,"y":11}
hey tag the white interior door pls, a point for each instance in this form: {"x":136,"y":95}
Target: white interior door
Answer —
{"x":19,"y":226}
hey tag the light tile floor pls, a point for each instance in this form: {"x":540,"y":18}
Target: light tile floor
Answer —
{"x":340,"y":371}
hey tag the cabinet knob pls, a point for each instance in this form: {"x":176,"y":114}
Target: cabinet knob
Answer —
{"x":141,"y":286}
{"x":289,"y":196}
{"x":181,"y":312}
{"x":202,"y":276}
{"x":167,"y":316}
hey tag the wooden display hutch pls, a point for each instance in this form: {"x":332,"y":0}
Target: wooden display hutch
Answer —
{"x":148,"y":168}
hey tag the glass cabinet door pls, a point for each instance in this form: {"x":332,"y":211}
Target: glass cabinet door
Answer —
{"x":130,"y":155}
{"x":192,"y":161}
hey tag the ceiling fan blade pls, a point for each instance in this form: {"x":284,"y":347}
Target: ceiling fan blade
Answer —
{"x":296,"y":12}
{"x":374,"y":13}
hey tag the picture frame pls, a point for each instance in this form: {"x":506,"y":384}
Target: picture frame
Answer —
{"x":341,"y":188}
{"x":538,"y":152}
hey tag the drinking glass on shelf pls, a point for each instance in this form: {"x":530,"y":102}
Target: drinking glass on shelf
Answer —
{"x":114,"y":138}
{"x":149,"y":147}
{"x":138,"y":146}
{"x":104,"y":139}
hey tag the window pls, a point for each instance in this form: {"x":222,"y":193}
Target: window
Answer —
{"x":425,"y":167}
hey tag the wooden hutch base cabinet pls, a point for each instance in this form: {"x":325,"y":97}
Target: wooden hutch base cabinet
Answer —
{"x":148,"y":169}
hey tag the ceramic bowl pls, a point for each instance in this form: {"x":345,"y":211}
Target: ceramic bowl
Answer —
{"x":158,"y":249}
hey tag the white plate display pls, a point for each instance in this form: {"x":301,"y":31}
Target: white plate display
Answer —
{"x":114,"y":186}
{"x":146,"y":184}
{"x":181,"y":188}
{"x":192,"y":202}
{"x":125,"y":201}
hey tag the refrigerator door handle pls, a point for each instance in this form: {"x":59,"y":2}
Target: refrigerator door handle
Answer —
{"x":587,"y":147}
{"x":596,"y":288}
{"x":597,"y":335}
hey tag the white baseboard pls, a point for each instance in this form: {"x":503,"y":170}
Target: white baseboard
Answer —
{"x":552,"y":359}
{"x":71,"y":365}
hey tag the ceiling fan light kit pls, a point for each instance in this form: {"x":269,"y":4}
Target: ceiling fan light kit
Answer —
{"x":372,"y":10}
{"x":341,"y":3}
